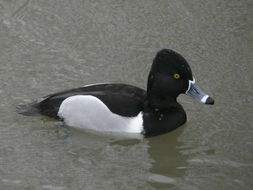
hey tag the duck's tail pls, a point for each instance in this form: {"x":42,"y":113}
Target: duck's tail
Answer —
{"x":30,"y":109}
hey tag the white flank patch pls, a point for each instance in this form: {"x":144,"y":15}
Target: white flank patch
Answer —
{"x":88,"y":112}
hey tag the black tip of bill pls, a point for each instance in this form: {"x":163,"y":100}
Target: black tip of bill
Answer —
{"x":210,"y":101}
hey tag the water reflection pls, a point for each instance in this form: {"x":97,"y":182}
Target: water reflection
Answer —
{"x":165,"y":151}
{"x":166,"y":161}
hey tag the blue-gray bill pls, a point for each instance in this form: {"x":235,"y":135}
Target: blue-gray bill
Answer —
{"x":195,"y":92}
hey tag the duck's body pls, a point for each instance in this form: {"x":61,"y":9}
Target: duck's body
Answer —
{"x":121,"y":99}
{"x":109,"y":108}
{"x":126,"y":108}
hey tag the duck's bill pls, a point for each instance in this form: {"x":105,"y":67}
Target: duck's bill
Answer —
{"x":195,"y":92}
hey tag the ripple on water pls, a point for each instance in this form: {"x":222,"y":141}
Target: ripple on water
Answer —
{"x":51,"y":187}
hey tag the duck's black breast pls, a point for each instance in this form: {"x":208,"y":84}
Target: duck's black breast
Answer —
{"x":157,"y":122}
{"x":121,"y":99}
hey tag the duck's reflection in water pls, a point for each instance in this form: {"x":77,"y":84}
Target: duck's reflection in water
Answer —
{"x":167,"y":163}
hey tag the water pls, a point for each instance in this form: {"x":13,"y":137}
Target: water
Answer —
{"x":48,"y":46}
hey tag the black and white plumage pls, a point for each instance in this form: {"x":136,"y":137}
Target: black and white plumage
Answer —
{"x":126,"y":108}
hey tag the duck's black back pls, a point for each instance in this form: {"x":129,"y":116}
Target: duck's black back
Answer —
{"x":121,"y":99}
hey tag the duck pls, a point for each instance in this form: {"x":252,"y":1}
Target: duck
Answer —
{"x":124,"y":108}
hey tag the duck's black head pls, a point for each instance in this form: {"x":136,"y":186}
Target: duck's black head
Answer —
{"x":171,"y":75}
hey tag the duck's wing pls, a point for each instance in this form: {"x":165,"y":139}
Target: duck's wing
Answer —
{"x":121,"y":99}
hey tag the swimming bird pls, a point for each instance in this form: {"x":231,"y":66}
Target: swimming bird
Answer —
{"x":115,"y":107}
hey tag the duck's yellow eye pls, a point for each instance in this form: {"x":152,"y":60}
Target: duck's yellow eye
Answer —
{"x":176,"y":76}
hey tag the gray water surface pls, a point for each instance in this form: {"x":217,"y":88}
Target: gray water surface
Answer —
{"x":49,"y":46}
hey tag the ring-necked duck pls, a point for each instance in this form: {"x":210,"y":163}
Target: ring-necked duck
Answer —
{"x":126,"y":108}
